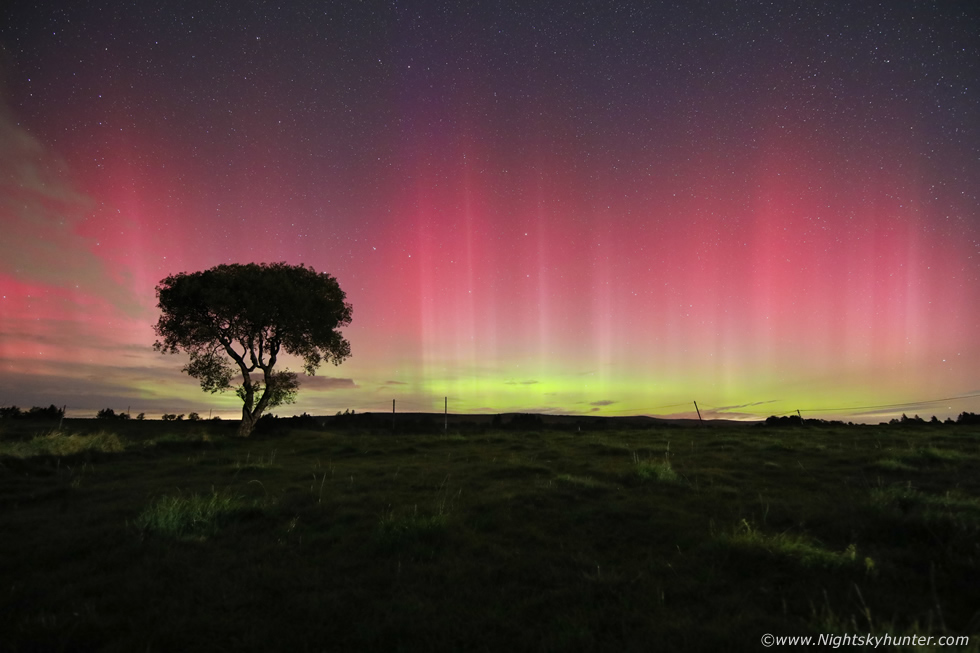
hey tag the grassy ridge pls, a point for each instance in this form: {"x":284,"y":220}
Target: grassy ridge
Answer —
{"x":682,"y":539}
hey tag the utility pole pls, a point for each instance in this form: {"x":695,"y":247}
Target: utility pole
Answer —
{"x":699,"y":413}
{"x":800,"y":416}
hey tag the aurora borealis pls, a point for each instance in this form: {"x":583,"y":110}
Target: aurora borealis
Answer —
{"x":603,"y":208}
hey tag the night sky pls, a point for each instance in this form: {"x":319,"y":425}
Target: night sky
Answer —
{"x":606,"y":208}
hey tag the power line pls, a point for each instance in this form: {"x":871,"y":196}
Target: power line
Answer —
{"x":906,"y":404}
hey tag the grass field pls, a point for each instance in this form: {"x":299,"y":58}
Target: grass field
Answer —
{"x":177,"y":537}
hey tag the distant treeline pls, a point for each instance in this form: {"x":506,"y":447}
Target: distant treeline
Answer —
{"x":796,"y":420}
{"x":53,"y":412}
{"x":426,"y":423}
{"x":108,"y":413}
{"x":423,"y":423}
{"x":13,"y":412}
{"x":416,"y":423}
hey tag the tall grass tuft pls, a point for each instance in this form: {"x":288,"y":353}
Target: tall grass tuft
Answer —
{"x":60,"y":443}
{"x":649,"y":470}
{"x":413,"y":533}
{"x":798,"y":547}
{"x":253,"y":464}
{"x":955,"y":508}
{"x":933,"y":454}
{"x":581,"y":481}
{"x":194,"y":516}
{"x":894,"y":465}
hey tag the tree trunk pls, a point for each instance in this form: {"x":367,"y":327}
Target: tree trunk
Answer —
{"x":250,"y":415}
{"x":248,"y":419}
{"x":248,"y":423}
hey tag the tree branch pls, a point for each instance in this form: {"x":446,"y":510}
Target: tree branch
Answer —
{"x":249,"y":346}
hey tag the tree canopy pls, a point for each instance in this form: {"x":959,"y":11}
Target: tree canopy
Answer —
{"x":238,"y":318}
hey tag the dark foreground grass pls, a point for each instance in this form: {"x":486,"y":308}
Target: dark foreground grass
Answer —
{"x":678,"y":539}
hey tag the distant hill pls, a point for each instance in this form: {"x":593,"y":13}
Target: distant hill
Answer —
{"x":531,"y":420}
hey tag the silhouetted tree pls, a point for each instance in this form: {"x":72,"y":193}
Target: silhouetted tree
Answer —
{"x":51,"y":412}
{"x":194,"y":417}
{"x":968,"y":418}
{"x":10,"y":412}
{"x":250,"y":314}
{"x":786,"y":420}
{"x":304,"y":421}
{"x":108,"y":413}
